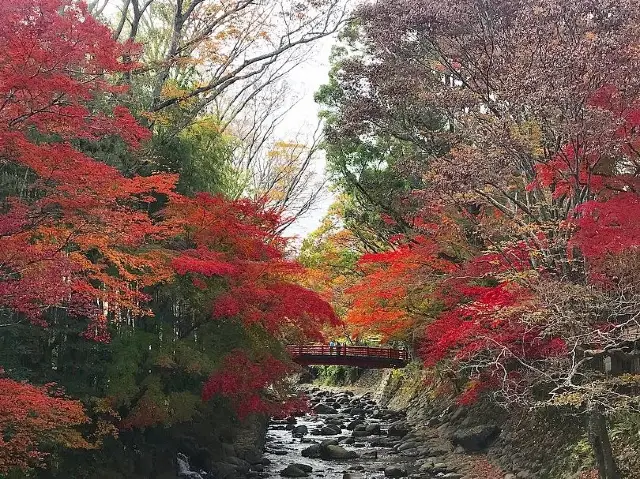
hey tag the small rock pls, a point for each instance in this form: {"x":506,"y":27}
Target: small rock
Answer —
{"x":300,"y":430}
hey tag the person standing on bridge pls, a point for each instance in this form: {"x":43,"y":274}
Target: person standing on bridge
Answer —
{"x":332,"y":345}
{"x":338,"y":347}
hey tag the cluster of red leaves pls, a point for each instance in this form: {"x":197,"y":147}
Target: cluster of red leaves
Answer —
{"x":77,"y":235}
{"x":489,"y":321}
{"x":244,"y":381}
{"x":33,"y":416}
{"x":380,"y":300}
{"x":235,"y":242}
{"x":584,"y":166}
{"x":56,"y":58}
{"x":608,"y":227}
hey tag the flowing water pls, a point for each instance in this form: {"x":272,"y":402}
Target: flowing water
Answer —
{"x":375,"y":452}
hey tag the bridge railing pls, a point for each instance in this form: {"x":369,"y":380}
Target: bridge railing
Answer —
{"x":353,"y":351}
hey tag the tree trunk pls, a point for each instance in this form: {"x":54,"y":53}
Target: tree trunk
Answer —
{"x":599,"y":438}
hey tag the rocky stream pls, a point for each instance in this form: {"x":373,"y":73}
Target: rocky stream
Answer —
{"x":350,"y":436}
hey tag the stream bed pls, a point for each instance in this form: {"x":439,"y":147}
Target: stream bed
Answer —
{"x":345,"y":437}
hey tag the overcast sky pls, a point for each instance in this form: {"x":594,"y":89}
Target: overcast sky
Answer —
{"x":305,"y":81}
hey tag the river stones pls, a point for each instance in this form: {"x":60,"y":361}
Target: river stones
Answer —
{"x":394,"y":471}
{"x":337,"y":453}
{"x":370,"y":455}
{"x":292,"y":470}
{"x":312,"y":451}
{"x":300,"y":431}
{"x":383,"y":442}
{"x":353,"y":424}
{"x":296,"y":470}
{"x":398,"y":429}
{"x":329,"y":442}
{"x":407,"y":445}
{"x":322,"y":408}
{"x":329,"y":431}
{"x":373,"y":429}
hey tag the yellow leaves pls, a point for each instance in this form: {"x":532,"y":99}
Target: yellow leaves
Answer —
{"x":530,"y":135}
{"x":231,"y":32}
{"x":573,"y":399}
{"x":628,"y":379}
{"x":171,"y":90}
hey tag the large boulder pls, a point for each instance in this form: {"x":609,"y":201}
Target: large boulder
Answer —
{"x":475,"y":438}
{"x":292,"y":470}
{"x":337,"y":452}
{"x":324,"y":409}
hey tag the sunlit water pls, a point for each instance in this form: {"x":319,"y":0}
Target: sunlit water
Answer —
{"x":283,"y":440}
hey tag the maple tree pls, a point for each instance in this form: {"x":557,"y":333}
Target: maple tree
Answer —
{"x":33,"y":417}
{"x":70,"y":219}
{"x":145,"y":276}
{"x":536,"y":166}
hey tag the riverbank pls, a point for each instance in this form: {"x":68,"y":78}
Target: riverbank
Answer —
{"x":390,"y":424}
{"x":351,"y":436}
{"x":484,"y":436}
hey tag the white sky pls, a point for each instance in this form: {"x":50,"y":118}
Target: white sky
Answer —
{"x":303,"y":118}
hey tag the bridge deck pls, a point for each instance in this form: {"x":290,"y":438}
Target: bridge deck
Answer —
{"x":358,"y":356}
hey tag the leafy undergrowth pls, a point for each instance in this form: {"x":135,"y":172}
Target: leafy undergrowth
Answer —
{"x":483,"y":469}
{"x":336,"y":375}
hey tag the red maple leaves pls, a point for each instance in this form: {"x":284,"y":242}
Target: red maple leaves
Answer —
{"x":78,"y":236}
{"x":244,"y":381}
{"x":32,"y":417}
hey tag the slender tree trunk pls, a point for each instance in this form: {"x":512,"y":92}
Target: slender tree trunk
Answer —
{"x":599,"y":438}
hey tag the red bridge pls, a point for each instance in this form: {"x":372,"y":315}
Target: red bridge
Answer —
{"x":358,"y":356}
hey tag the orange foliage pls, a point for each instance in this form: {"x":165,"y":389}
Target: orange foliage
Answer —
{"x":33,"y":416}
{"x":383,"y":300}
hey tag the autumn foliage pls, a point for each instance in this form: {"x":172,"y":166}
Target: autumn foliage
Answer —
{"x":80,"y":240}
{"x":508,"y":261}
{"x":243,"y":382}
{"x":33,"y":416}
